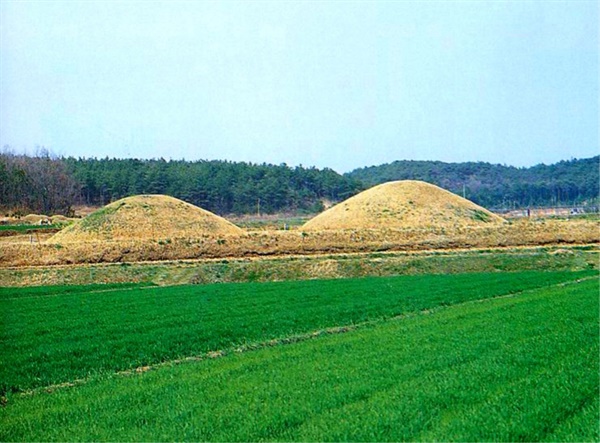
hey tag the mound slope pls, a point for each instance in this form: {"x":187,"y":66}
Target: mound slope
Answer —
{"x":403,"y":205}
{"x":146,"y":217}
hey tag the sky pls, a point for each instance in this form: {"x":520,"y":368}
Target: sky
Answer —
{"x":337,"y":84}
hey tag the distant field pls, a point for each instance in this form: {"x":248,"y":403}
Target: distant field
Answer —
{"x":458,"y":366}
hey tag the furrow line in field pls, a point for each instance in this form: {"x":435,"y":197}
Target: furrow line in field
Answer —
{"x":96,"y":291}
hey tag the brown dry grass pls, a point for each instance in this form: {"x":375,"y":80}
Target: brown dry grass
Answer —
{"x":81,"y":211}
{"x":33,"y":237}
{"x":146,"y":217}
{"x":403,"y":205}
{"x":35,"y":219}
{"x":298,"y":242}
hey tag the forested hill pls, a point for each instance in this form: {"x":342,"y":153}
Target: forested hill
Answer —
{"x":48,"y":185}
{"x":570,"y":182}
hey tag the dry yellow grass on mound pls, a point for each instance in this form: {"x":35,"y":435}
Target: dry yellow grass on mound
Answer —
{"x":406,"y":204}
{"x":146,"y":217}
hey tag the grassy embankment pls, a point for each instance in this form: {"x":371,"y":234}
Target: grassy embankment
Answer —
{"x":310,"y":267}
{"x":277,"y":243}
{"x":460,"y":367}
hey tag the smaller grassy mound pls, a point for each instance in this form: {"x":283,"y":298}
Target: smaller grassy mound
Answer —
{"x":406,"y":204}
{"x":147,"y":217}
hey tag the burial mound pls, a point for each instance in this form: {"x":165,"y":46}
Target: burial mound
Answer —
{"x":405,"y":204}
{"x":146,"y":217}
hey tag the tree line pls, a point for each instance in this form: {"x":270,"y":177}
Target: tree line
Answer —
{"x":53,"y":185}
{"x":222,"y":187}
{"x":569,"y":182}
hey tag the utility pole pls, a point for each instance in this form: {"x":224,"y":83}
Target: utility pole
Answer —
{"x":258,"y":206}
{"x":464,"y":191}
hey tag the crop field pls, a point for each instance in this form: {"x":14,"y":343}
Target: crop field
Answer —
{"x":509,"y":356}
{"x":54,"y":335}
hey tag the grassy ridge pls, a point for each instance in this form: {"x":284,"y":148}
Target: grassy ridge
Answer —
{"x":47,"y":340}
{"x":523,"y":368}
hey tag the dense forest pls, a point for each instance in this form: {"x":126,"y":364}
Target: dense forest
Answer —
{"x":219,"y":186}
{"x":51,"y":185}
{"x":572,"y":182}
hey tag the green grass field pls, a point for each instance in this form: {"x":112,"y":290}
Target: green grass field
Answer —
{"x":71,"y":333}
{"x":47,"y":291}
{"x":433,"y":357}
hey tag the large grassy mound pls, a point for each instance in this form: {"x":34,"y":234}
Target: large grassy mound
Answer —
{"x":403,"y":204}
{"x":147,"y":217}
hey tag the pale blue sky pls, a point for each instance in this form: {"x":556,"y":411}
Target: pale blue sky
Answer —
{"x":320,"y":83}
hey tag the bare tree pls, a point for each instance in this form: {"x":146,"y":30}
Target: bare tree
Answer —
{"x":39,"y":184}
